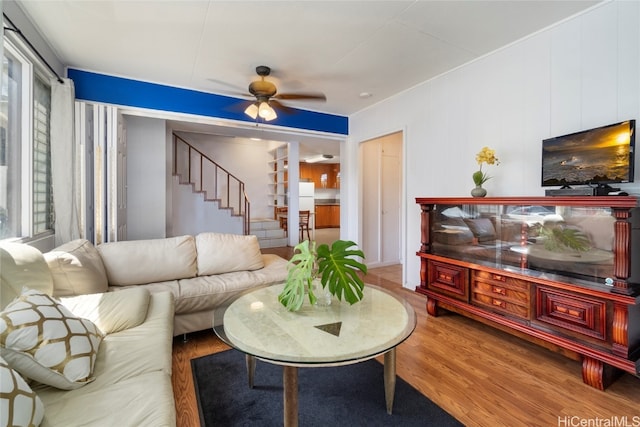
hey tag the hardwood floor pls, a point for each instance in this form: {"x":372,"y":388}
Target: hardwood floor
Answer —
{"x":480,"y":375}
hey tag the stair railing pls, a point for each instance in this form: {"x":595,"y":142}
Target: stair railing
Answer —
{"x":208,"y":177}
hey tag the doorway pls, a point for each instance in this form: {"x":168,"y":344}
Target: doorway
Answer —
{"x":381,"y":185}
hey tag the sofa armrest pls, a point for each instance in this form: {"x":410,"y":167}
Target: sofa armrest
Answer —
{"x":111,"y":311}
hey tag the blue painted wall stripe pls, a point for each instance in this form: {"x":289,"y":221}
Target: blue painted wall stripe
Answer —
{"x":134,"y":93}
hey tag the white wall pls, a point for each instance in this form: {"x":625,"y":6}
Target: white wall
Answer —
{"x":582,"y":73}
{"x":146,"y":178}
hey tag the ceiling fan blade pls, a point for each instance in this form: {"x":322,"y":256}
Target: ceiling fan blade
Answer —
{"x":310,"y":96}
{"x":234,"y":94}
{"x":281,"y":107}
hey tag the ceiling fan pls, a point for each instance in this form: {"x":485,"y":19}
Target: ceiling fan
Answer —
{"x":267,"y":97}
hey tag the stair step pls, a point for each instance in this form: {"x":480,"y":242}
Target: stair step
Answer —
{"x":268,"y":234}
{"x":268,"y":231}
{"x":272,"y":242}
{"x":264,"y":224}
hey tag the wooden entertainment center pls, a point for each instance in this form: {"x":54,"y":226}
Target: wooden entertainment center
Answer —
{"x":563,"y":272}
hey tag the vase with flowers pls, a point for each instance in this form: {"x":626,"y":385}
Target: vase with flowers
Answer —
{"x":488,"y":156}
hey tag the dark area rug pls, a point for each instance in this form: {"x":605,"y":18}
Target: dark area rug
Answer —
{"x":350,"y":395}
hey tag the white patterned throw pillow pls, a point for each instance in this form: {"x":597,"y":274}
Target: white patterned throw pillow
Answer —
{"x":19,"y":405}
{"x":44,"y":341}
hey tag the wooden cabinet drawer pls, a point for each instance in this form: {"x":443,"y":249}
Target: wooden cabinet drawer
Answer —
{"x":500,"y":279}
{"x":451,"y":280}
{"x":572,"y":312}
{"x":499,"y":293}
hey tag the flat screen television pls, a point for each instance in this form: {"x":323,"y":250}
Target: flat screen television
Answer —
{"x":598,"y":156}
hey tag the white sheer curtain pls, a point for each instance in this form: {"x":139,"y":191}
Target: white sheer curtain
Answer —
{"x":64,"y":162}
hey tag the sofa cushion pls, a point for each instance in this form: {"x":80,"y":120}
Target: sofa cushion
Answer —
{"x":21,"y":406}
{"x":132,"y":385}
{"x":145,"y":400}
{"x":77,"y":269}
{"x":208,"y":292}
{"x":44,"y":341}
{"x":112,"y":311}
{"x":145,"y":261}
{"x":22,"y":265}
{"x":225,"y":253}
{"x":482,"y":228}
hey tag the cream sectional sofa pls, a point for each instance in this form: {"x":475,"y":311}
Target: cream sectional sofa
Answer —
{"x":201,"y":272}
{"x":137,"y":295}
{"x":128,"y":378}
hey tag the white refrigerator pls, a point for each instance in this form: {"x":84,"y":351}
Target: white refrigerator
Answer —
{"x":307,"y":197}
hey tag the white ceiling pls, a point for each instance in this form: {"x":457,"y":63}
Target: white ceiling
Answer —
{"x":339,"y":48}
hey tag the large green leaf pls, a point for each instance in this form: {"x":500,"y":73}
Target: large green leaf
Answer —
{"x":300,"y":277}
{"x":559,"y":238}
{"x":338,"y":268}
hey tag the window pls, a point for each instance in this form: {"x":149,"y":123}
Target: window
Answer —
{"x":42,"y":191}
{"x":26,"y":196}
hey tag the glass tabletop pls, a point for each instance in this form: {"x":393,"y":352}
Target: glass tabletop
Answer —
{"x":257,"y":324}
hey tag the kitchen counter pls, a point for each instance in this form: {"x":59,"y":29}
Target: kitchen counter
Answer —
{"x":327,"y":202}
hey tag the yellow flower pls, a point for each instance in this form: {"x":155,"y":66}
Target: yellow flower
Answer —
{"x":488,"y":156}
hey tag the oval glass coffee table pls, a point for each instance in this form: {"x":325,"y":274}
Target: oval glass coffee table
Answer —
{"x":256,"y":324}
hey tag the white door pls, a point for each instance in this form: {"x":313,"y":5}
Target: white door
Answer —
{"x":381,"y":200}
{"x":390,"y":189}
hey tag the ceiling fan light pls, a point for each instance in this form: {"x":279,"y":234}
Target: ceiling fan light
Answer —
{"x":252,"y":111}
{"x":266,"y":111}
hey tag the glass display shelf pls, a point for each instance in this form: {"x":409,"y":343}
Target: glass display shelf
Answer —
{"x":564,"y":240}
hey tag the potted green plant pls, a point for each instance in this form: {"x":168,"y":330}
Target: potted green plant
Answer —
{"x":558,"y":238}
{"x":334,"y":268}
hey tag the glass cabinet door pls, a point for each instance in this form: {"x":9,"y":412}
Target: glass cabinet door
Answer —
{"x":565,"y":240}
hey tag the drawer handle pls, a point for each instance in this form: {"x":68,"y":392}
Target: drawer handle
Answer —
{"x":570,"y":312}
{"x":499,"y":277}
{"x":500,"y":291}
{"x":499,"y":303}
{"x":445,"y":277}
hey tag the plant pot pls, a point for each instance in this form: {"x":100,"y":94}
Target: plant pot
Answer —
{"x":322,"y":294}
{"x":478,"y":191}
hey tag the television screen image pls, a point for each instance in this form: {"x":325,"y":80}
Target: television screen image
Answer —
{"x":595,"y":156}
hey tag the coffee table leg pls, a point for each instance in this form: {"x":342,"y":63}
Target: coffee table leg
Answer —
{"x":251,"y":368}
{"x":290,"y":381}
{"x":389,"y":378}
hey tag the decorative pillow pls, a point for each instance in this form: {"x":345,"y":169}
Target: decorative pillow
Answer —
{"x":77,"y":269}
{"x":224,"y":253}
{"x":482,"y":228}
{"x":20,"y":264}
{"x":44,"y":341}
{"x":20,"y":406}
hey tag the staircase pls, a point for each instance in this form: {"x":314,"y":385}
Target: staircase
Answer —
{"x":209,"y":198}
{"x":269,"y":233}
{"x":207,"y":178}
